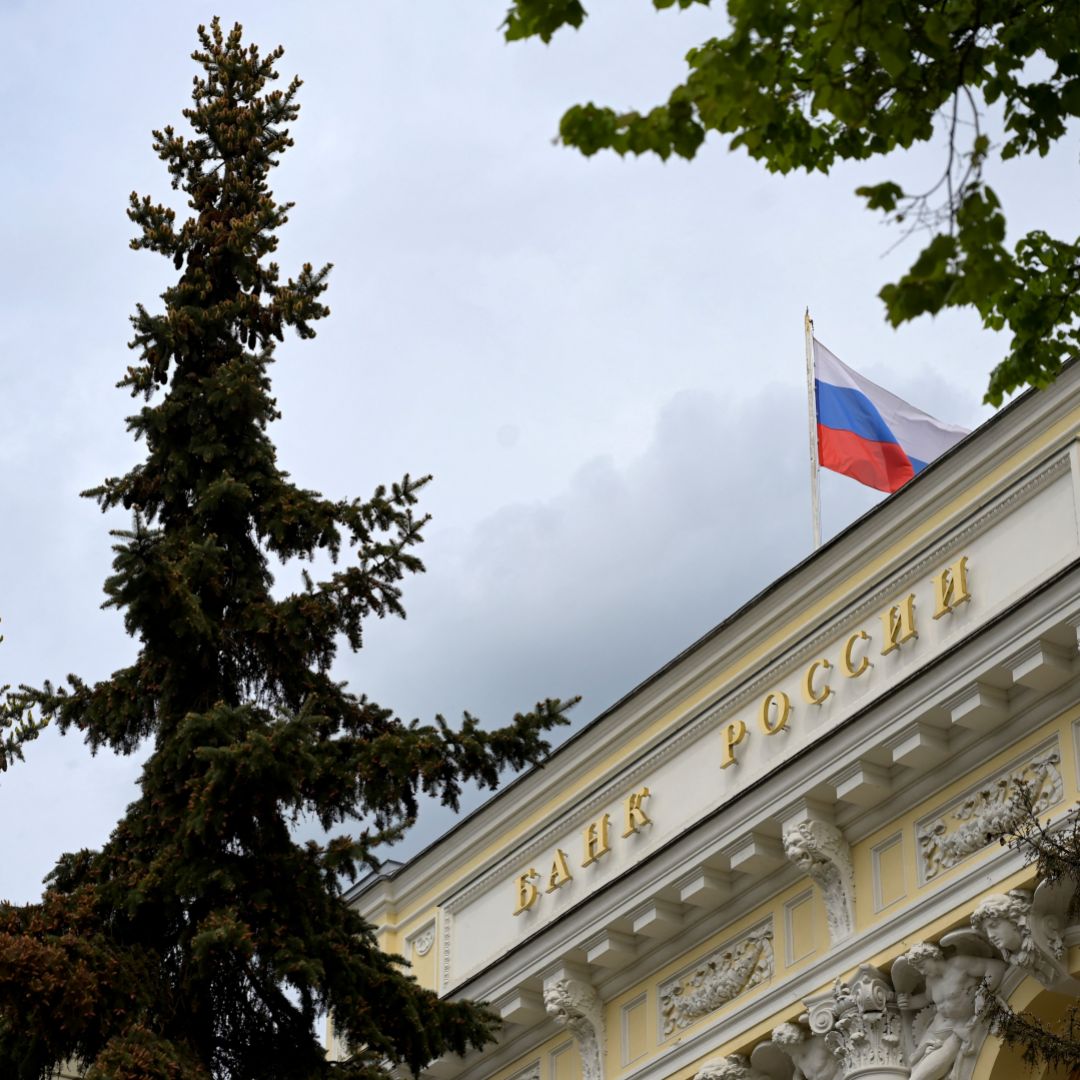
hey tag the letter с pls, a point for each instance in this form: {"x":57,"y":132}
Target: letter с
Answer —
{"x":816,"y":697}
{"x":847,"y":661}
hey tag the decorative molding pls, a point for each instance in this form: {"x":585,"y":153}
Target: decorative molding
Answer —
{"x":876,"y":853}
{"x":530,"y":1072}
{"x":790,"y":907}
{"x":572,"y":1002}
{"x":717,"y":978}
{"x":821,"y":852}
{"x":968,"y":823}
{"x":446,"y":923}
{"x":625,"y":1020}
{"x":422,"y":941}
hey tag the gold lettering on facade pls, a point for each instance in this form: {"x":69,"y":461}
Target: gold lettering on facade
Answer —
{"x":560,"y":872}
{"x":634,"y":813}
{"x":733,"y":735}
{"x":950,"y":588}
{"x":847,"y":662}
{"x":597,"y":843}
{"x":595,"y":839}
{"x":527,"y":892}
{"x":898,"y":624}
{"x":775,"y":719}
{"x":816,"y":697}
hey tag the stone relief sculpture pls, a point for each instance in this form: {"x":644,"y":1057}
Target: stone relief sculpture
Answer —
{"x":732,"y":1067}
{"x":923,"y":1021}
{"x":574,"y":1004}
{"x":719,"y":977}
{"x":991,"y":810}
{"x":821,"y":852}
{"x":946,"y":1021}
{"x":423,"y":941}
{"x":1027,"y":929}
{"x":793,"y":1052}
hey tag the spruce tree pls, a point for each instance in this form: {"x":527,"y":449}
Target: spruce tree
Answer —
{"x":202,"y":940}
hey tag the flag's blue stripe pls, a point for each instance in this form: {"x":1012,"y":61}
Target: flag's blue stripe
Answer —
{"x":844,"y":409}
{"x":916,"y":464}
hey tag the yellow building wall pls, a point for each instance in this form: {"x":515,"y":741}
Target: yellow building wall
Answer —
{"x":886,"y":881}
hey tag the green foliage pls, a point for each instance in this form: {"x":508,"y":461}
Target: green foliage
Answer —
{"x":202,"y":941}
{"x":17,"y":726}
{"x":1054,"y":850}
{"x":803,"y":84}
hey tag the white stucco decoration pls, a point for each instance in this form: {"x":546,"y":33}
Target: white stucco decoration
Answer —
{"x":963,"y":826}
{"x":942,"y":986}
{"x":423,"y":941}
{"x":574,"y":1004}
{"x":821,"y":852}
{"x":732,"y":1067}
{"x":793,"y":1052}
{"x":1028,"y":931}
{"x":717,"y":978}
{"x":862,"y":1026}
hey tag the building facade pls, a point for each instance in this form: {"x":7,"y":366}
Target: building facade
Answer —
{"x":772,"y":858}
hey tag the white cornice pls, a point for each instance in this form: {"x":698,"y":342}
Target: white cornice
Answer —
{"x":694,"y":668}
{"x":760,"y":809}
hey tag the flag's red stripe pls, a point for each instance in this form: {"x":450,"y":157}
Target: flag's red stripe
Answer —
{"x":879,"y":465}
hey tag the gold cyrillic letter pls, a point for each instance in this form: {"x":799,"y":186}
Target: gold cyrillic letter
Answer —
{"x":560,"y":872}
{"x":596,"y":840}
{"x":899,"y":624}
{"x":950,"y":588}
{"x":816,"y":697}
{"x":635,"y":815}
{"x":850,"y":668}
{"x":733,"y":735}
{"x":527,"y":892}
{"x":783,"y":709}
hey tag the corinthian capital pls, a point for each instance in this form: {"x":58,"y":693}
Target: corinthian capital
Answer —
{"x":862,"y":1026}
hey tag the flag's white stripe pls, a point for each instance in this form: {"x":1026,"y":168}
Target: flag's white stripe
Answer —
{"x":921,"y":436}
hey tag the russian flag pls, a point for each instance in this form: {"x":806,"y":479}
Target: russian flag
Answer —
{"x":869,"y":434}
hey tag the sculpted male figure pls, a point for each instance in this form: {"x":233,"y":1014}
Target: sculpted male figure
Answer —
{"x":809,"y":1053}
{"x":953,"y":988}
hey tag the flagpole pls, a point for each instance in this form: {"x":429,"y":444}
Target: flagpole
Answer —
{"x":811,"y":397}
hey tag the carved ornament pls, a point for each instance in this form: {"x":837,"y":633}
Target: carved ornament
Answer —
{"x":821,"y":852}
{"x":725,"y":973}
{"x":971,"y":822}
{"x":574,"y":1004}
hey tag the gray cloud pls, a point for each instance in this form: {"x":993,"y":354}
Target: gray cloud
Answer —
{"x":590,"y":591}
{"x":600,"y":360}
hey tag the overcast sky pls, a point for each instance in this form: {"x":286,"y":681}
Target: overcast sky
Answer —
{"x":601,"y":361}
